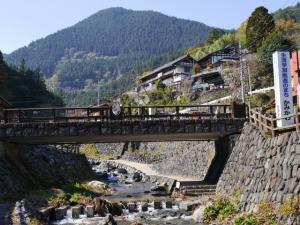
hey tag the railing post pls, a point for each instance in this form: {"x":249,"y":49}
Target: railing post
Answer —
{"x":273,"y":126}
{"x":88,"y":114}
{"x":53,"y":114}
{"x":129,"y":112}
{"x":211,"y":111}
{"x":19,"y":116}
{"x":260,"y":122}
{"x":5,"y":116}
{"x":297,"y":118}
{"x":177,"y":110}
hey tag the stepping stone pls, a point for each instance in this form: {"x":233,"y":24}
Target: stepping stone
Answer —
{"x":76,"y":212}
{"x":157,"y":205}
{"x":90,"y":211}
{"x":169,"y":205}
{"x":145,"y":207}
{"x":131,"y":207}
{"x":60,"y":213}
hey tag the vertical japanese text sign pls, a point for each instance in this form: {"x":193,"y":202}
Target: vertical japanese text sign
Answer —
{"x":283,"y":87}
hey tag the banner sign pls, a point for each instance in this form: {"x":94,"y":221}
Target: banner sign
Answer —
{"x":283,"y":88}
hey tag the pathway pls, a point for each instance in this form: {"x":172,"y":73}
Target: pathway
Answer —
{"x":146,"y":169}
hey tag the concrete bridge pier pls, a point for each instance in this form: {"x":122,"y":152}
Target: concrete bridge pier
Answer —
{"x":223,"y":148}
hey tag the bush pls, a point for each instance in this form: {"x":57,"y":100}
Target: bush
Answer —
{"x":290,"y":207}
{"x":275,"y":41}
{"x":59,"y":200}
{"x":220,"y":210}
{"x":91,"y":151}
{"x":247,"y":220}
{"x":266,"y":213}
{"x":260,"y":100}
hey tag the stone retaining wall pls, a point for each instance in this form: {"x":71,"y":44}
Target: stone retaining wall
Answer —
{"x":263,"y":169}
{"x":169,"y":158}
{"x":187,"y":159}
{"x":23,"y":168}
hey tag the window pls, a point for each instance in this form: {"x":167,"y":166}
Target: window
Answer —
{"x":187,"y":69}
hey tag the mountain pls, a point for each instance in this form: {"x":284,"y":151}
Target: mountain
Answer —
{"x":108,"y":46}
{"x":292,"y":12}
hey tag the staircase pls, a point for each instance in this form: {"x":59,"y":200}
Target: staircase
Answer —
{"x":197,"y":189}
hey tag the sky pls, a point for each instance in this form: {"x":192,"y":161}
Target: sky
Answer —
{"x":24,"y":21}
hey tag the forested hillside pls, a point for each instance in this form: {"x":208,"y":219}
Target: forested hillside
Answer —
{"x":292,"y":12}
{"x":25,"y":88}
{"x":108,"y":45}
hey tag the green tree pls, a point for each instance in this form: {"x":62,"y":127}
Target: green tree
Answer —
{"x":22,"y":68}
{"x":260,"y":25}
{"x":275,"y":41}
{"x":240,"y":34}
{"x":214,"y":35}
{"x":126,"y":100}
{"x":1,"y":57}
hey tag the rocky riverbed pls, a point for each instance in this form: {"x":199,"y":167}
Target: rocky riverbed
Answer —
{"x":139,"y":197}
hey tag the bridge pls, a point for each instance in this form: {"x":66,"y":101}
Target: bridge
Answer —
{"x":103,"y":124}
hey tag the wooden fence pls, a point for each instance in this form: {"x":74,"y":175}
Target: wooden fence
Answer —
{"x":267,"y":124}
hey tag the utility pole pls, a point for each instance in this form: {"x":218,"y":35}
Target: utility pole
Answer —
{"x":249,"y":79}
{"x":242,"y":73}
{"x":98,"y":92}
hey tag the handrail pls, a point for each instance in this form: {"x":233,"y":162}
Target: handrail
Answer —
{"x":21,"y":115}
{"x":262,"y":121}
{"x":57,"y":108}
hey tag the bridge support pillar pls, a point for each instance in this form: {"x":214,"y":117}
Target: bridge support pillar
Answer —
{"x":223,"y":148}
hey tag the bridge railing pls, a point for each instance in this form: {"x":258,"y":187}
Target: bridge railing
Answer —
{"x":177,"y":112}
{"x":267,"y":124}
{"x":54,"y":115}
{"x":48,"y":115}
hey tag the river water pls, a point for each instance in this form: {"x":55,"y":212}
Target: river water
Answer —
{"x":126,"y":190}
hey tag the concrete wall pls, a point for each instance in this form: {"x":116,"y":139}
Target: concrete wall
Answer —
{"x":263,"y":169}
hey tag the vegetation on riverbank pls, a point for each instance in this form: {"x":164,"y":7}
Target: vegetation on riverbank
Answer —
{"x":91,"y":151}
{"x":71,"y":194}
{"x":225,"y":210}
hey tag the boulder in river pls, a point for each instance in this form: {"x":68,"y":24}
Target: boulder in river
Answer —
{"x":103,"y":208}
{"x":108,"y":220}
{"x":98,"y":185}
{"x":137,"y":177}
{"x":137,"y":223}
{"x":189,"y":206}
{"x":159,"y":190}
{"x":122,"y":171}
{"x":198,"y":215}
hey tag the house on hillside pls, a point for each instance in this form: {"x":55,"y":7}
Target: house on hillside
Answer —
{"x":209,"y":68}
{"x":171,"y":74}
{"x":3,"y":105}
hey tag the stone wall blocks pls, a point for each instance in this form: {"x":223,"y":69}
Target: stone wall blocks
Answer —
{"x":296,"y":160}
{"x":295,"y":170}
{"x":292,"y":184}
{"x":297,"y":189}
